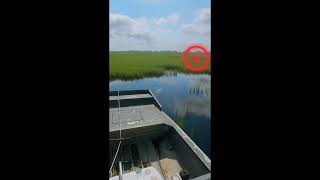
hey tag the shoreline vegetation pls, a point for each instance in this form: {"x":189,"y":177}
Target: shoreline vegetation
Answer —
{"x":130,"y":65}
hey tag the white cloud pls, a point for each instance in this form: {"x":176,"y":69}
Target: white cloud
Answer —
{"x":204,"y":16}
{"x":163,"y":33}
{"x":142,"y":29}
{"x":124,"y":26}
{"x":171,"y":19}
{"x":201,"y":24}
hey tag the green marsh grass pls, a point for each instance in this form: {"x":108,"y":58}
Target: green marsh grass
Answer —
{"x":136,"y":65}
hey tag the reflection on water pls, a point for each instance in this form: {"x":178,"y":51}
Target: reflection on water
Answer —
{"x":184,"y":97}
{"x":192,"y":105}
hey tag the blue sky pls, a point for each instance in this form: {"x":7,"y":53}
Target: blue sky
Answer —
{"x":159,"y":24}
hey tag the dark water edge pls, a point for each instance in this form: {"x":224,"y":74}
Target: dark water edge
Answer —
{"x":124,"y":77}
{"x":186,"y":98}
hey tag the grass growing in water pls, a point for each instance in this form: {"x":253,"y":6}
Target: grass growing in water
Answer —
{"x":135,"y":65}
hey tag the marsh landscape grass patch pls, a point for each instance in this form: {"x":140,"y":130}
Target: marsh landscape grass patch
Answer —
{"x":136,"y":65}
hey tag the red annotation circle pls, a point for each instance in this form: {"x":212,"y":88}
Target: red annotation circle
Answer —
{"x":196,"y":58}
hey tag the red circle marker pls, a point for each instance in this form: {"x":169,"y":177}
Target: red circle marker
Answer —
{"x":196,"y":58}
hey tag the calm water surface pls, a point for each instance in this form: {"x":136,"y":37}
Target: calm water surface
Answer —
{"x":184,"y":97}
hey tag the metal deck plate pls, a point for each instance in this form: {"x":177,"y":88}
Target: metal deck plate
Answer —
{"x":134,"y":116}
{"x":126,"y":117}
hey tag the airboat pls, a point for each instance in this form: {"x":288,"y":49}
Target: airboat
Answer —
{"x":145,"y":143}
